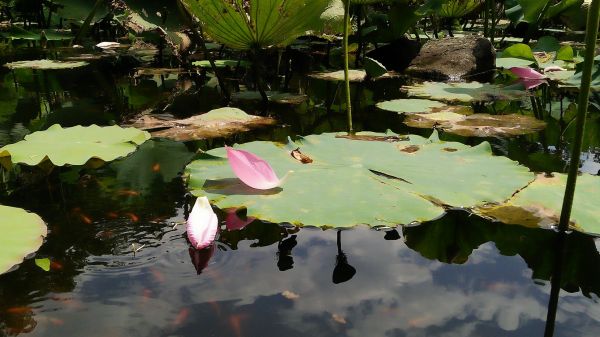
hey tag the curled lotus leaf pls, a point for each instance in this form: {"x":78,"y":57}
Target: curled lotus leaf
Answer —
{"x":540,"y":204}
{"x":464,"y":92}
{"x":477,"y":125}
{"x":76,"y":145}
{"x":222,"y":122}
{"x":350,"y":182}
{"x":421,"y":106}
{"x":45,"y":65}
{"x":22,"y":234}
{"x":355,"y":75}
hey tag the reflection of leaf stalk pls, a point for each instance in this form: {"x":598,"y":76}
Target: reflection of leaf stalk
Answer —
{"x":584,"y":93}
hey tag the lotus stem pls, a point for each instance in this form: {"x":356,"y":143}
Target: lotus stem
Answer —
{"x":584,"y":93}
{"x":199,"y":35}
{"x":346,"y":61}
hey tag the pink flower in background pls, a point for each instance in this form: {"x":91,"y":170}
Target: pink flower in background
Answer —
{"x":529,"y":77}
{"x":202,"y":224}
{"x":252,"y":170}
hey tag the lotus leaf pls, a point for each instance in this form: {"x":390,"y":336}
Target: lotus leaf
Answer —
{"x":416,"y":105}
{"x":463,"y":92}
{"x":222,"y":122}
{"x":257,"y":23}
{"x":353,"y":182}
{"x":22,"y":234}
{"x":221,"y":63}
{"x":374,"y":68}
{"x":509,"y":62}
{"x":540,"y":204}
{"x":274,"y":96}
{"x":458,"y":8}
{"x":73,"y":146}
{"x":45,"y":64}
{"x":354,"y":75}
{"x":477,"y":125}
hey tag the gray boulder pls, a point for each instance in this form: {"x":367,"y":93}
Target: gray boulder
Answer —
{"x":455,"y":59}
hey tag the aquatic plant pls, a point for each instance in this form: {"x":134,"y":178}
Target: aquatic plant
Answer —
{"x":375,"y":179}
{"x":21,"y":233}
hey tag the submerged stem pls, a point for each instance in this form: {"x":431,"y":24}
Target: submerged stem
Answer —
{"x":584,"y":93}
{"x":346,"y":61}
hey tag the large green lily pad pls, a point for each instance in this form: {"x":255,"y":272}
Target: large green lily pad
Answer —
{"x":540,"y":204}
{"x":222,"y":122}
{"x":463,"y":92}
{"x":477,"y":125}
{"x":353,"y":181}
{"x":21,"y":233}
{"x":73,"y":146}
{"x":45,"y":65}
{"x":421,"y":106}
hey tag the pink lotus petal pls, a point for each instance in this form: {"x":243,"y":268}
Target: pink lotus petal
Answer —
{"x":527,"y":73}
{"x":529,"y":77}
{"x":234,"y":222}
{"x":252,"y":170}
{"x":202,"y":224}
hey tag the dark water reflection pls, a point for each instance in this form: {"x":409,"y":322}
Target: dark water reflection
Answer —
{"x":121,"y":265}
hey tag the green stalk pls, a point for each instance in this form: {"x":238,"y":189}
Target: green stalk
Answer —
{"x":199,"y":35}
{"x":584,"y":93}
{"x":346,"y":61}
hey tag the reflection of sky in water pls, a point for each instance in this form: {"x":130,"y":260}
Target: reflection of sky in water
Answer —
{"x":396,"y":292}
{"x":589,"y":162}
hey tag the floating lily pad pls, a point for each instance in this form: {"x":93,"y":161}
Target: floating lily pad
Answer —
{"x":45,"y":64}
{"x":464,"y":92}
{"x":221,"y":63}
{"x":222,"y":122}
{"x":73,"y":146}
{"x":274,"y":96}
{"x":423,"y":106}
{"x":353,"y":182}
{"x":338,"y":76}
{"x":540,"y":204}
{"x":477,"y":125}
{"x":22,"y":233}
{"x":509,"y":62}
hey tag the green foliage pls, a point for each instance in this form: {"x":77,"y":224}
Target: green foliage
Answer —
{"x":73,"y":146}
{"x":463,"y":92}
{"x":21,"y":233}
{"x":356,"y":181}
{"x":540,"y":204}
{"x":257,"y":23}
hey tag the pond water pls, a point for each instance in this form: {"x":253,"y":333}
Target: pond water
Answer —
{"x":121,"y":265}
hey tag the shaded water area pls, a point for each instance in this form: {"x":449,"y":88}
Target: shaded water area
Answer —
{"x":121,"y":265}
